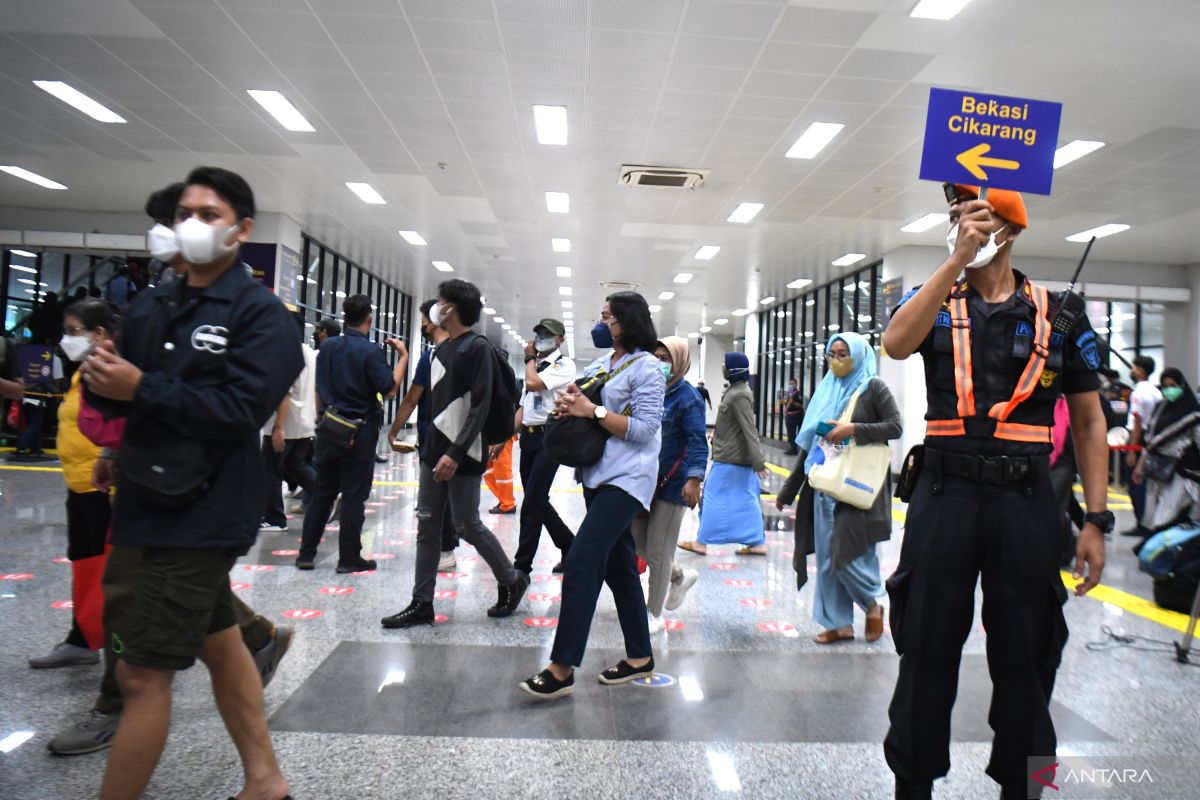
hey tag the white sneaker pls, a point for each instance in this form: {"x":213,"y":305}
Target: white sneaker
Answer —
{"x":655,"y":623}
{"x":678,"y":591}
{"x":268,"y":527}
{"x":447,"y":562}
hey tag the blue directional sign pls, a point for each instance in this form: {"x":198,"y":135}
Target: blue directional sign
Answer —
{"x":987,"y":139}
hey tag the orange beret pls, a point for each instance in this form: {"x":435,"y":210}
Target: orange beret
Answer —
{"x":1008,"y":204}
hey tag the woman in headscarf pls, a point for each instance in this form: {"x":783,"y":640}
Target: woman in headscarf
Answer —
{"x":1170,"y":464}
{"x":843,"y":537}
{"x":731,"y":511}
{"x":681,"y":463}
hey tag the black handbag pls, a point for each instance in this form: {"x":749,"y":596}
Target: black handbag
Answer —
{"x":579,"y":441}
{"x":338,"y":429}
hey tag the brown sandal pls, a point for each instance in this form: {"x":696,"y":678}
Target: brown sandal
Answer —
{"x":749,"y":550}
{"x":875,"y":626}
{"x":832,"y":637}
{"x":690,"y":546}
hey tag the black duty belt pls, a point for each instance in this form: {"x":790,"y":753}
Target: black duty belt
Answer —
{"x":997,"y":470}
{"x":532,"y":429}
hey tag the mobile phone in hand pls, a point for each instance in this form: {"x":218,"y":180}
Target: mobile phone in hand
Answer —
{"x":824,"y":429}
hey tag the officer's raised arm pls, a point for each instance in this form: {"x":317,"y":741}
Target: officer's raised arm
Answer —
{"x":913,"y":320}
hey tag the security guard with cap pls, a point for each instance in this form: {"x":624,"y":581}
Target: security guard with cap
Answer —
{"x":998,"y":351}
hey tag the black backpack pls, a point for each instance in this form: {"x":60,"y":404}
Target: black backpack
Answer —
{"x":502,"y":411}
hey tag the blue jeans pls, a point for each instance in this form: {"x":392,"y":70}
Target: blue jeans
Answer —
{"x":856,"y":583}
{"x":603,"y":552}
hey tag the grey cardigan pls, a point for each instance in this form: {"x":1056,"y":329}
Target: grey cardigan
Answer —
{"x":735,"y":437}
{"x":876,"y":419}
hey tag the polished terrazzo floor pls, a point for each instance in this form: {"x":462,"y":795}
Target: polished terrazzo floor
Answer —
{"x":749,"y":706}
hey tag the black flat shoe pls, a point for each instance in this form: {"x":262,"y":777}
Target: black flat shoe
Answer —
{"x":417,"y":613}
{"x":544,"y":686}
{"x":366,"y":565}
{"x":624,"y":672}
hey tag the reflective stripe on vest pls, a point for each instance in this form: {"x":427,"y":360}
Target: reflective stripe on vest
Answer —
{"x":964,"y":384}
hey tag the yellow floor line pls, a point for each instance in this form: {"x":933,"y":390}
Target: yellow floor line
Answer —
{"x":778,"y":470}
{"x":1131,"y":603}
{"x":30,"y":469}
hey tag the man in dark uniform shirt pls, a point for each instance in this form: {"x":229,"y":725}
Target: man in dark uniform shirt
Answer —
{"x":983,"y":502}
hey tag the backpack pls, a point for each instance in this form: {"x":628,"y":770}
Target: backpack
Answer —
{"x":1172,"y":558}
{"x":502,"y":410}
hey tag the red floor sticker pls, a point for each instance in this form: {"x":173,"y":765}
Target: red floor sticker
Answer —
{"x":776,"y":627}
{"x":62,"y":560}
{"x":382,"y":556}
{"x":543,"y":597}
{"x":673,"y":624}
{"x":438,"y":619}
{"x":467,"y":559}
{"x":722,"y":567}
{"x":303,"y":613}
{"x":396,"y":542}
{"x":452,"y":576}
{"x":364,"y":572}
{"x":285,"y":552}
{"x":755,"y":602}
{"x":62,"y":604}
{"x":16,"y":576}
{"x":739,"y":583}
{"x":375,"y":504}
{"x":258,"y":568}
{"x":546,"y":578}
{"x":541,"y":622}
{"x":445,"y":594}
{"x":336,"y":591}
{"x":239,"y":586}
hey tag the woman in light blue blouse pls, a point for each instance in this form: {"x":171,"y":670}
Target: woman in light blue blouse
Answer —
{"x":616,"y":489}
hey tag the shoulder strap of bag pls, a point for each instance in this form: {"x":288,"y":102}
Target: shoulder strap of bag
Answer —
{"x":608,"y":376}
{"x":848,"y":414}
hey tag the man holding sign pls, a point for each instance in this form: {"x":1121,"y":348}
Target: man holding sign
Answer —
{"x":998,"y":351}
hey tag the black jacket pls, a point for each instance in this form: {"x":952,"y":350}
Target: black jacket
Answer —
{"x":215,"y":366}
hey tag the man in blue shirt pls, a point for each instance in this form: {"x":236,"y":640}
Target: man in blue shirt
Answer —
{"x":351,"y":371}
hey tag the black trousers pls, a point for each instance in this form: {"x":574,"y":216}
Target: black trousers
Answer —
{"x":793,"y":427}
{"x":87,"y":532}
{"x":537,"y":475}
{"x":296,"y":466}
{"x":348,"y":472}
{"x":1007,"y":534}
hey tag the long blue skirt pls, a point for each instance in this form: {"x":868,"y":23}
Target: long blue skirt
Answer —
{"x":731,"y":510}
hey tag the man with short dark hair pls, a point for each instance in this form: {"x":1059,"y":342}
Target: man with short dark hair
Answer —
{"x":201,"y":366}
{"x":351,"y":372}
{"x":1141,"y":405}
{"x":793,"y":414}
{"x":454,"y":456}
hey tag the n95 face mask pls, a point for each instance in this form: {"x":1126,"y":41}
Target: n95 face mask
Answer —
{"x":161,"y":242}
{"x":201,"y":243}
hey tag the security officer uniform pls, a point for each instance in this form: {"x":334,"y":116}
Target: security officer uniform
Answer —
{"x":983,"y":504}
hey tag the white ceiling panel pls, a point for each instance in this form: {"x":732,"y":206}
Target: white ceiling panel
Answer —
{"x":629,"y":45}
{"x":712,"y":18}
{"x":809,"y":59}
{"x":468,"y":37}
{"x":663,"y":16}
{"x":351,"y":31}
{"x":893,"y":64}
{"x":716,"y":51}
{"x":705,"y":79}
{"x":822,"y":26}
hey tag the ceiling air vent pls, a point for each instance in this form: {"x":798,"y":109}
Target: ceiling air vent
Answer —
{"x":662,"y":177}
{"x":620,"y":285}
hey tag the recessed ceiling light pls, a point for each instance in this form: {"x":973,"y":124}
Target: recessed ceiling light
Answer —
{"x":78,"y":100}
{"x":568,"y":315}
{"x":412,"y":237}
{"x":745,"y":212}
{"x":684,"y":277}
{"x":741,"y":312}
{"x":489,"y":311}
{"x":498,"y":319}
{"x":551,"y":124}
{"x":766,"y":301}
{"x":655,"y":309}
{"x":23,"y":268}
{"x":32,"y":177}
{"x":811,"y":303}
{"x":937,"y":9}
{"x":340,"y":293}
{"x":558,"y":202}
{"x":799,"y":283}
{"x":849,"y":258}
{"x":567,"y":304}
{"x":565,"y":291}
{"x":721,"y":321}
{"x":1073,"y":151}
{"x":560,"y":245}
{"x":666,"y":295}
{"x":707,"y":252}
{"x":442,"y":266}
{"x":1099,"y":233}
{"x":926,"y":222}
{"x":562,"y":272}
{"x":506,"y":327}
{"x":705,"y":328}
{"x":366,"y":193}
{"x":813,"y":140}
{"x":23,"y":253}
{"x":833,"y":326}
{"x":282,"y":110}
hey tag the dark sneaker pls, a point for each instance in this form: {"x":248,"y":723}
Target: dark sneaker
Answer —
{"x":557,"y":569}
{"x":499,"y":509}
{"x":624,"y":673}
{"x":66,"y":655}
{"x":303,"y":562}
{"x":510,"y":596}
{"x":366,"y":565}
{"x":417,"y":613}
{"x":544,"y":686}
{"x":94,"y":732}
{"x":269,"y":655}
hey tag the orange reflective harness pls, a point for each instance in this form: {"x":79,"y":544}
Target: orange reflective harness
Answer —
{"x":960,"y":325}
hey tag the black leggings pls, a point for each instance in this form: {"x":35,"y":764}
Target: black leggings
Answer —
{"x":87,"y":531}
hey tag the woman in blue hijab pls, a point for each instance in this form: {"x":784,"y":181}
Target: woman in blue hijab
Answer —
{"x":844,"y":537}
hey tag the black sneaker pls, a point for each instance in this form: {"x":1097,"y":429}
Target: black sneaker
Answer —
{"x":268,"y":657}
{"x":417,"y":613}
{"x":304,"y":562}
{"x":366,"y":565}
{"x":913,"y":791}
{"x":624,"y":673}
{"x":544,"y":686}
{"x":557,"y":569}
{"x":510,"y":596}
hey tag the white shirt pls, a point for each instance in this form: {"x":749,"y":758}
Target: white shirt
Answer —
{"x":1142,"y":402}
{"x":537,"y":405}
{"x":301,"y":420}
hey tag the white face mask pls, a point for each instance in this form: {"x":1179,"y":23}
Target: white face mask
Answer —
{"x":161,"y":242}
{"x":985,"y":254}
{"x":544,"y":344}
{"x":201,"y":243}
{"x":436,"y":315}
{"x":77,"y":348}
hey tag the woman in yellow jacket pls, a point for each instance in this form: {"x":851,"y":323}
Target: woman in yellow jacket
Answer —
{"x":85,"y":324}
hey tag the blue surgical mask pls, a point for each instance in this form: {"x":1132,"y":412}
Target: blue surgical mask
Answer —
{"x":602,"y":336}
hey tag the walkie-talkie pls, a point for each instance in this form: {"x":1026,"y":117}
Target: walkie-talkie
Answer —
{"x":1071,"y":309}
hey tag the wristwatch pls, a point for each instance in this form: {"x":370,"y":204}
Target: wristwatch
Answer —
{"x":530,"y":358}
{"x":1104,"y":520}
{"x":601,"y":412}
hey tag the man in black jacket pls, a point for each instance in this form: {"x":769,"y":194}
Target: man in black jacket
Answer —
{"x":201,"y":364}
